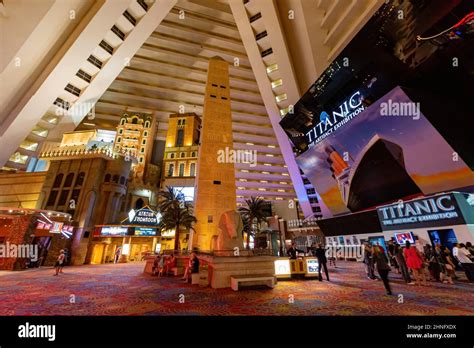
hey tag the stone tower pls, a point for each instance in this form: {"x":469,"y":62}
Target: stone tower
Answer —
{"x":215,"y":181}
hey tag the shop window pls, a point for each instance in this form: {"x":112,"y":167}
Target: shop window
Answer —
{"x":181,"y":169}
{"x":115,"y":179}
{"x":80,"y":179}
{"x":171,"y":170}
{"x":68,"y":181}
{"x":52,"y":199}
{"x":122,"y":180}
{"x":192,"y":169}
{"x":63,"y":197}
{"x":58,"y":180}
{"x":107,"y":178}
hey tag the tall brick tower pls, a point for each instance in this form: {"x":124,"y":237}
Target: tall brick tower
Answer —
{"x":215,"y":182}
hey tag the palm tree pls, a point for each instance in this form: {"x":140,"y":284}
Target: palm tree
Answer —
{"x":175,"y":212}
{"x":254,"y":212}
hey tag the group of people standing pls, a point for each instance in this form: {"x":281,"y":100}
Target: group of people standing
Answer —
{"x":416,"y":267}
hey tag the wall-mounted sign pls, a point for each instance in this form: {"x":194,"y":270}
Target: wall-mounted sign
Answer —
{"x":57,"y":227}
{"x":329,"y":122}
{"x":67,"y":231}
{"x":145,"y":231}
{"x":114,"y":231}
{"x":144,"y":216}
{"x":439,"y":210}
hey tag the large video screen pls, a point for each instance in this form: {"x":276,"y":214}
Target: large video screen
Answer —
{"x":385,"y":152}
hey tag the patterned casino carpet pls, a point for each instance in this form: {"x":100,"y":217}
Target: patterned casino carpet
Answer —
{"x":124,"y":290}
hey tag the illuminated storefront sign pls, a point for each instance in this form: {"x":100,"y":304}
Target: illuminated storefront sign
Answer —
{"x":426,"y":212}
{"x":144,"y":216}
{"x":330,"y":122}
{"x":145,"y":231}
{"x":56,"y":227}
{"x":114,"y":231}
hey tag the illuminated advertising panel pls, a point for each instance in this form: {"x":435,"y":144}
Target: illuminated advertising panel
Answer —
{"x":145,"y":231}
{"x":282,"y":267}
{"x":114,"y":231}
{"x":312,"y":266}
{"x":384,"y":154}
{"x":56,"y":227}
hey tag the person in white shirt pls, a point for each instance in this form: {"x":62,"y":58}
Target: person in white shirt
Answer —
{"x":464,"y":258}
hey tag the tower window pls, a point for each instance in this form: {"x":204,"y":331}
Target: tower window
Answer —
{"x":147,"y":124}
{"x":180,"y":138}
{"x":181,"y":169}
{"x":192,"y":170}
{"x":171,"y":169}
{"x":58,"y":180}
{"x":122,"y":121}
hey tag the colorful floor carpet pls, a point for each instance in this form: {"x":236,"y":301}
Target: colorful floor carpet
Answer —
{"x":124,"y":290}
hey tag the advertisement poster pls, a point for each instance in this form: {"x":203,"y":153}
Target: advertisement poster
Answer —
{"x":372,"y":157}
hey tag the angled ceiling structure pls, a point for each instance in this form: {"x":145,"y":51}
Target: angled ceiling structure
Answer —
{"x":152,"y":56}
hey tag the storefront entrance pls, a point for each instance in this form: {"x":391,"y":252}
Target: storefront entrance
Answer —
{"x":139,"y":250}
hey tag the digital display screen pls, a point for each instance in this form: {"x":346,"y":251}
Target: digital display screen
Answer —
{"x":404,"y":237}
{"x":145,"y":231}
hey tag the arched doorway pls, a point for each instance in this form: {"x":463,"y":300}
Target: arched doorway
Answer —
{"x":139,"y":203}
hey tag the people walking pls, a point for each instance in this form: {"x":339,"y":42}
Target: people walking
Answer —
{"x":59,"y":263}
{"x":322,"y":261}
{"x":464,"y":257}
{"x":118,"y":251}
{"x":391,"y":255}
{"x":415,"y":263}
{"x":369,"y":261}
{"x":433,"y":265}
{"x":381,"y":263}
{"x":398,"y":251}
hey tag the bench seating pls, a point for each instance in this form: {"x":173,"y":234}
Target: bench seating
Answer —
{"x":252,"y":279}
